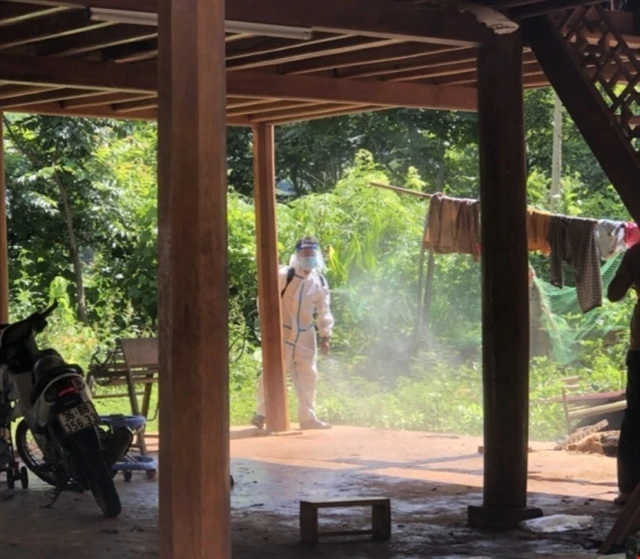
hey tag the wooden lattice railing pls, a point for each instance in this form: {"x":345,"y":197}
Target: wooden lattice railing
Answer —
{"x":608,"y":63}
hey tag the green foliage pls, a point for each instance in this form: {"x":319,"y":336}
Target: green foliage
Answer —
{"x":370,"y":239}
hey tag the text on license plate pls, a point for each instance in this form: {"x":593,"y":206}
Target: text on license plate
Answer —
{"x":78,"y":418}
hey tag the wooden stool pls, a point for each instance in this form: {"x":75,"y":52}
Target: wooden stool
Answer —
{"x":380,"y":518}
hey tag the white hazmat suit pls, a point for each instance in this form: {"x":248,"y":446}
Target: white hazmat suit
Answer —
{"x":303,"y":296}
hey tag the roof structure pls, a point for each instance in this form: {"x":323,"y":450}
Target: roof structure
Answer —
{"x":317,"y":59}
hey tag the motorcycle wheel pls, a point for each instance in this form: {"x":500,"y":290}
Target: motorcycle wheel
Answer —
{"x":31,"y":455}
{"x":11,"y":481}
{"x":98,"y":475}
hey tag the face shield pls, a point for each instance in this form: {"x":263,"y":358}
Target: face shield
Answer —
{"x":307,"y":257}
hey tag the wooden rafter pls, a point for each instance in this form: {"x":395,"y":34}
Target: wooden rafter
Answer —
{"x":102,"y":38}
{"x":57,"y":25}
{"x":11,"y":13}
{"x":44,"y":97}
{"x":96,"y":100}
{"x":397,"y":20}
{"x":380,"y":55}
{"x":306,"y":52}
{"x":141,"y":78}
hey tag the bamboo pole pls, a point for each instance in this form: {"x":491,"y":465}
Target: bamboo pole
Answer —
{"x":401,"y":190}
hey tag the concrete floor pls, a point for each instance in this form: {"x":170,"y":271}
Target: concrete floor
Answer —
{"x":431,"y":479}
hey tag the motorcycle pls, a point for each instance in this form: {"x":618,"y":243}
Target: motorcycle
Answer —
{"x":75,"y":453}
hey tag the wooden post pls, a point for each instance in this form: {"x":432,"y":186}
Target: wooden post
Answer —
{"x":4,"y":251}
{"x":193,"y":313}
{"x":505,"y":288}
{"x":275,"y":388}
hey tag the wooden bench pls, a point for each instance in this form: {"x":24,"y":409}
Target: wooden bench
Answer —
{"x":380,"y":518}
{"x":133,"y":363}
{"x":577,"y":406}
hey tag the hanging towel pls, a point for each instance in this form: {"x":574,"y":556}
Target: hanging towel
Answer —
{"x":573,"y":241}
{"x":538,"y":231}
{"x":631,"y":234}
{"x":453,"y":226}
{"x":610,"y":236}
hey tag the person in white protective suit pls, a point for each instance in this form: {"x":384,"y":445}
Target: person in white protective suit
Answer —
{"x":304,"y":292}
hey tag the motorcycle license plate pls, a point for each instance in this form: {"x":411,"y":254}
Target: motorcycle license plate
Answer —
{"x":78,"y":418}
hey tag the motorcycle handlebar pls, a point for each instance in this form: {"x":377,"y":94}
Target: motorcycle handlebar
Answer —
{"x":49,"y":310}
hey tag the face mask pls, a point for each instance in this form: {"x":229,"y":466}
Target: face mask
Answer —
{"x":308,"y":262}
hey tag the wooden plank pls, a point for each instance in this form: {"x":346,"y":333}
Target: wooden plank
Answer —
{"x":587,"y":109}
{"x":254,"y":46}
{"x":44,"y":97}
{"x":300,"y":111}
{"x":338,"y":112}
{"x":430,"y":60}
{"x":57,"y":25}
{"x":266,"y":107}
{"x":379,"y":56}
{"x":57,"y":109}
{"x":132,"y":52}
{"x":505,"y":291}
{"x":193,"y":309}
{"x":135,"y":106}
{"x":11,"y":13}
{"x":141,"y":78}
{"x":4,"y":251}
{"x":101,"y":38}
{"x":23,"y":69}
{"x":275,"y":386}
{"x":598,"y":410}
{"x":308,"y":88}
{"x":96,"y":100}
{"x":9,"y":91}
{"x":381,"y":18}
{"x":345,"y":45}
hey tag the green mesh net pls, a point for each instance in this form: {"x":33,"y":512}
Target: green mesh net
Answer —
{"x":558,"y":325}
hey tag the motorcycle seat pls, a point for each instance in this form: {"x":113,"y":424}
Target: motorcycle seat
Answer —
{"x":50,"y":375}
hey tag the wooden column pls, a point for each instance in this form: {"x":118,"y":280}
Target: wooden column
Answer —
{"x":4,"y":252}
{"x":193,"y":314}
{"x":275,"y":388}
{"x":505,"y":291}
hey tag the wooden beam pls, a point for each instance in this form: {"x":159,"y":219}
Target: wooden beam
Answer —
{"x":254,"y":46}
{"x":300,"y":112}
{"x":347,"y":44}
{"x":36,"y":70}
{"x":102,"y":38}
{"x":380,"y":18}
{"x":136,"y":106}
{"x":273,"y":373}
{"x":11,"y":13}
{"x":58,"y":25}
{"x":10,"y":91}
{"x":132,"y":52}
{"x":58,"y":109}
{"x":308,"y":88}
{"x":505,"y":288}
{"x":192,"y":206}
{"x":320,"y":116}
{"x":44,"y":97}
{"x":428,"y":60}
{"x":379,"y":55}
{"x":141,"y":78}
{"x":265,"y":107}
{"x":4,"y":250}
{"x":96,"y":100}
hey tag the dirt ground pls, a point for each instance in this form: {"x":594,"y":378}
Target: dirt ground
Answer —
{"x":431,"y":479}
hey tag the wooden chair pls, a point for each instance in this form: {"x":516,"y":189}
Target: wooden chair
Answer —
{"x":134,"y":362}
